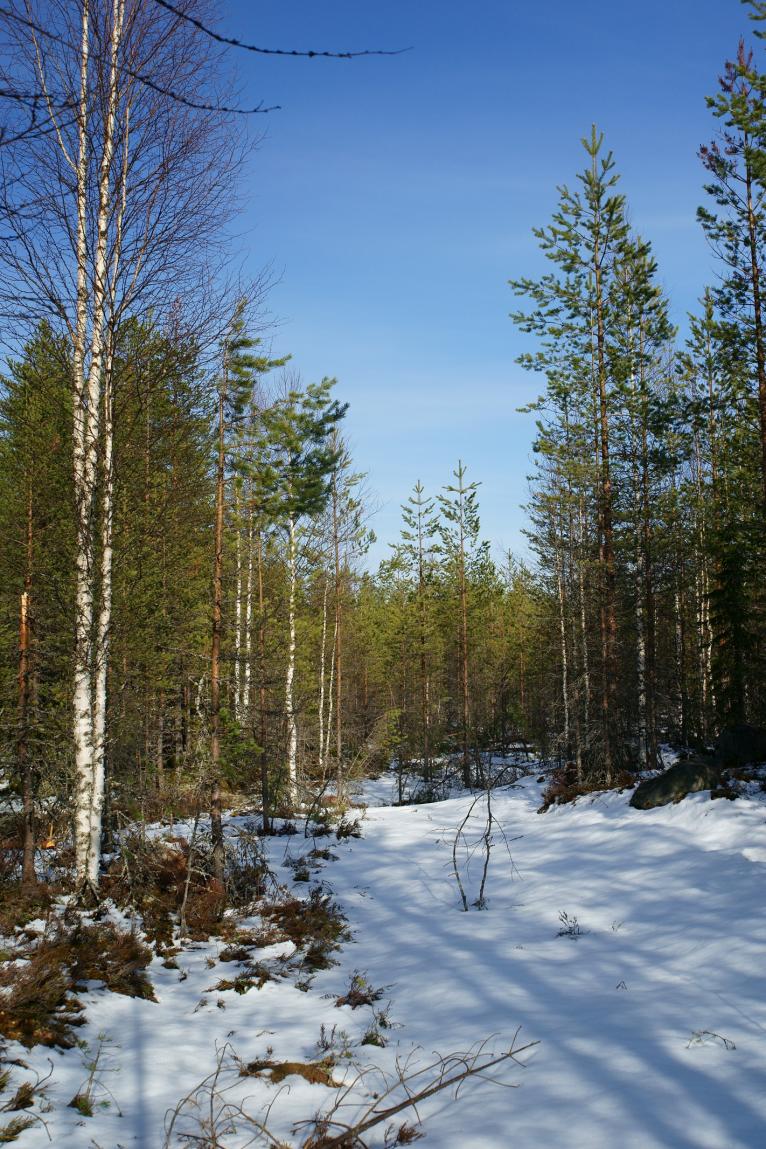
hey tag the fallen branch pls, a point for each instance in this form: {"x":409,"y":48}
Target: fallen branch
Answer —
{"x":441,"y":1074}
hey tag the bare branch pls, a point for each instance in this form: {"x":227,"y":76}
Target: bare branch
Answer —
{"x":311,"y":54}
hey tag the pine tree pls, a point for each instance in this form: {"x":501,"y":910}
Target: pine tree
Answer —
{"x":416,"y":556}
{"x":578,"y":314}
{"x":240,"y":369}
{"x":462,"y":552}
{"x":36,"y":550}
{"x":298,"y":458}
{"x":736,"y":161}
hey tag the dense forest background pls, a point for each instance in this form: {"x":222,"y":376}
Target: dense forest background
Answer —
{"x":183,"y":530}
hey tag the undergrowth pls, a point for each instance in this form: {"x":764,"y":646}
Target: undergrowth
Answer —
{"x":564,"y":786}
{"x":40,"y":979}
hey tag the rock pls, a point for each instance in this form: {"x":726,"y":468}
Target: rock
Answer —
{"x":740,"y":745}
{"x":682,"y":779}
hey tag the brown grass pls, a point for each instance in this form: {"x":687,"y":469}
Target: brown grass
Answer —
{"x":39,"y":1006}
{"x":315,"y":1072}
{"x":151,"y":878}
{"x":565,"y":787}
{"x":315,"y":925}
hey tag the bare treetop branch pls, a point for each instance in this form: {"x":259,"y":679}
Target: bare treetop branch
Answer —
{"x":233,"y":42}
{"x":224,"y":109}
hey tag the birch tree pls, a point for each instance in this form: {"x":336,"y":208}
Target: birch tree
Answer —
{"x":110,"y":213}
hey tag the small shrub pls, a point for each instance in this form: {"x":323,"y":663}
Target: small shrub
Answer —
{"x":104,"y":952}
{"x":82,"y":1104}
{"x":18,"y":906}
{"x":570,"y":927}
{"x":320,"y":829}
{"x":254,"y":976}
{"x":286,"y":830}
{"x":360,"y":992}
{"x":247,"y":871}
{"x":348,"y":828}
{"x":234,"y":953}
{"x":37,"y":1007}
{"x":243,"y":942}
{"x":373,"y":1036}
{"x":406,"y":1134}
{"x":23,"y":1098}
{"x":151,"y":877}
{"x":14,"y":1128}
{"x":335,"y":1041}
{"x":323,"y":855}
{"x":315,"y":925}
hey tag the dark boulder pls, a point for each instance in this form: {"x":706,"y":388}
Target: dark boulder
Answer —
{"x":740,"y":745}
{"x":684,"y":778}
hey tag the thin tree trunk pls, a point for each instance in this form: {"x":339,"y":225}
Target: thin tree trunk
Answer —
{"x":216,"y":824}
{"x":322,"y":659}
{"x":238,"y":614}
{"x":583,"y":619}
{"x":330,"y":703}
{"x":606,"y":548}
{"x":464,"y":645}
{"x":337,"y":644}
{"x":247,"y":678}
{"x":564,"y":662}
{"x":103,"y":637}
{"x":91,"y":657}
{"x":425,"y":685}
{"x":639,"y":581}
{"x":292,"y":728}
{"x":265,"y":795}
{"x":28,"y":878}
{"x":760,"y":347}
{"x":647,"y":571}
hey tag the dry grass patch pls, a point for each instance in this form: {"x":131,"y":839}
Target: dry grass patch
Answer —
{"x":315,"y":1072}
{"x":38,"y":984}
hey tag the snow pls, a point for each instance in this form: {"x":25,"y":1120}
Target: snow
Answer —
{"x":630,"y":1016}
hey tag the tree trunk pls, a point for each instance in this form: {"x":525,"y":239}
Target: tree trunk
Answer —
{"x":760,"y":347}
{"x":216,"y":825}
{"x":464,"y":660}
{"x":265,"y":795}
{"x":322,"y":659}
{"x":337,"y":644}
{"x":92,"y":392}
{"x":247,"y":677}
{"x":28,"y":878}
{"x":564,"y":661}
{"x":292,"y":728}
{"x":238,"y":614}
{"x":606,"y":548}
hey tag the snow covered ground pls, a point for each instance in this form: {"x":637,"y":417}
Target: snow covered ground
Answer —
{"x":669,"y":905}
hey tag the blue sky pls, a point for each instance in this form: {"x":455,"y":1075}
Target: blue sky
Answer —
{"x":395,"y":197}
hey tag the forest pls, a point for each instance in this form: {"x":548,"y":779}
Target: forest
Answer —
{"x":193,"y":634}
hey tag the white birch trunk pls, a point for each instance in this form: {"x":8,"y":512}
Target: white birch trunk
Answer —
{"x":102,"y":645}
{"x":83,"y":442}
{"x":90,"y":659}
